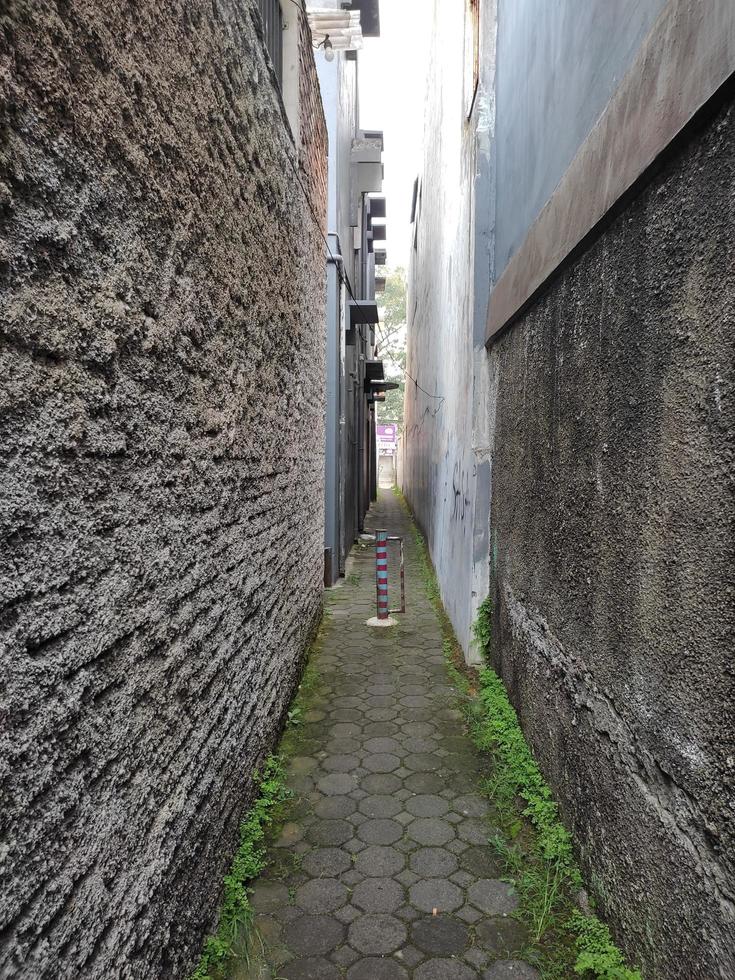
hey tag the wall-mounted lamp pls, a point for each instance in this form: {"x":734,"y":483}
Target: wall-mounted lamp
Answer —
{"x":328,"y":48}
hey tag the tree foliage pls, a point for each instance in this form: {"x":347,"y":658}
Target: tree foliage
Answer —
{"x":390,"y":342}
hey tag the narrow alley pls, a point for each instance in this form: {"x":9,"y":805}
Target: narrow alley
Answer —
{"x":383,"y":869}
{"x":275,"y":276}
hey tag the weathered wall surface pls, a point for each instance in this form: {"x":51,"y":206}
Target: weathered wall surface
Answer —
{"x":161,"y":444}
{"x":613,"y":556}
{"x":445,"y":471}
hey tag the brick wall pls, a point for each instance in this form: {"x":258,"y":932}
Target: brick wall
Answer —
{"x":161,"y":453}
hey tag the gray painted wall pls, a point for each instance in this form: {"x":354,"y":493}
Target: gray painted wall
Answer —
{"x":614,"y":558}
{"x":558,"y":63}
{"x":161,"y":447}
{"x":445,"y":467}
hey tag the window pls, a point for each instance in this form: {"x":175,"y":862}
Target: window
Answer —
{"x":270,"y":12}
{"x":281,"y":30}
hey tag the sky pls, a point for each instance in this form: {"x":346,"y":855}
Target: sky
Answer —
{"x":392,"y":71}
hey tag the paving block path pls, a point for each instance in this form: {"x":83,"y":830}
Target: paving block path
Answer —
{"x":383,"y":870}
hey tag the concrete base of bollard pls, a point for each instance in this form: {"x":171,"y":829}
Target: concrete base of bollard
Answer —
{"x":374,"y":621}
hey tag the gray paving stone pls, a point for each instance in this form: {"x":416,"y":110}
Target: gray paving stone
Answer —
{"x":474,"y":831}
{"x":380,"y":806}
{"x":427,"y":806}
{"x":348,"y":913}
{"x":378,"y":783}
{"x":430,"y":831}
{"x":443,"y":969}
{"x":382,"y":745}
{"x":340,"y":763}
{"x":344,"y":956}
{"x":376,"y":862}
{"x":511,"y":970}
{"x":410,"y":955}
{"x":336,"y":784}
{"x":436,"y":893}
{"x":482,"y":862}
{"x":269,"y":895}
{"x":383,"y":831}
{"x":433,"y":862}
{"x":321,"y":895}
{"x":382,"y":762}
{"x":471,"y":806}
{"x":312,"y":935}
{"x":502,"y":936}
{"x":328,"y":833}
{"x":426,"y":782}
{"x":378,"y":895}
{"x":376,"y":968}
{"x":440,"y":935}
{"x":380,"y":729}
{"x":377,"y":934}
{"x":346,"y":729}
{"x":493,"y":897}
{"x":326,"y":862}
{"x":419,"y":729}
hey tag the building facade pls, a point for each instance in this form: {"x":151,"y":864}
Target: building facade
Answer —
{"x":582,"y":423}
{"x":357,"y":231}
{"x":163,"y":206}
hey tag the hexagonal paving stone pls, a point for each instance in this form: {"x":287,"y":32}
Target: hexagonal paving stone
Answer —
{"x":269,"y":895}
{"x":380,"y":831}
{"x":326,"y":833}
{"x":493,"y":897}
{"x":334,"y":807}
{"x":378,"y":895}
{"x":502,"y":936}
{"x":436,"y":893}
{"x":336,"y":784}
{"x":471,"y":806}
{"x":437,"y":969}
{"x":380,"y":806}
{"x":312,"y":935}
{"x":326,"y":862}
{"x":380,"y":783}
{"x":310,"y":968}
{"x":376,"y":934}
{"x":430,"y":831}
{"x":433,"y":862}
{"x":425,"y":782}
{"x":381,"y":762}
{"x":321,"y":895}
{"x":474,"y":831}
{"x":511,"y":970}
{"x":440,"y":935}
{"x":378,"y":746}
{"x":340,"y":763}
{"x":427,"y":806}
{"x":376,"y":968}
{"x":376,"y":862}
{"x":482,"y":862}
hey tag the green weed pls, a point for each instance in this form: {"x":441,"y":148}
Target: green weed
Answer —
{"x":236,"y":913}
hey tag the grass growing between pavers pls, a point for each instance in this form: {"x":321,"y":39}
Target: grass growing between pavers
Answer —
{"x":534,"y":844}
{"x":236,"y":943}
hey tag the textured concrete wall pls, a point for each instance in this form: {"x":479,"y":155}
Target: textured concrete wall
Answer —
{"x":161,"y":445}
{"x":558,"y":65}
{"x":614,"y":559}
{"x":446,"y":470}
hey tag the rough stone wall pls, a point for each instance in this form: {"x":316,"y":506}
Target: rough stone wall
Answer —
{"x":161,"y":453}
{"x":614,"y":557}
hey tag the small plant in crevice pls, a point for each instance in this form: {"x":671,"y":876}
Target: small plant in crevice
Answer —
{"x":482,"y":628}
{"x":236,"y":912}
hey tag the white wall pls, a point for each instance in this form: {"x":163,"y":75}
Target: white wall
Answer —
{"x":446,"y":473}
